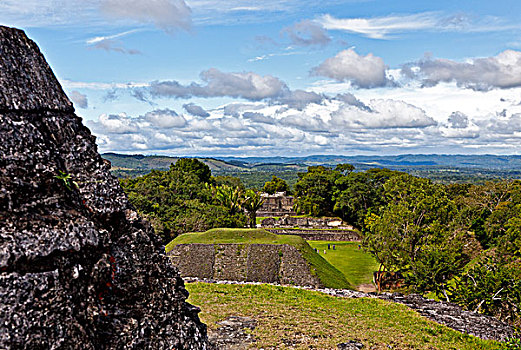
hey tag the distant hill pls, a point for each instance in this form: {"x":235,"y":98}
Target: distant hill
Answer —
{"x":137,"y":164}
{"x":254,"y":171}
{"x":407,"y":160}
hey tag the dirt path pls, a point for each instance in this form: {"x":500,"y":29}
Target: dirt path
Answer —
{"x":366,"y":288}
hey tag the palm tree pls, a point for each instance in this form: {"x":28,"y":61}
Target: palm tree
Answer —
{"x":229,"y":197}
{"x":252,"y":203}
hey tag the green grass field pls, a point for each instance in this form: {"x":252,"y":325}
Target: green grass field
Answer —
{"x":326,"y":273}
{"x":259,"y":219}
{"x":356,"y":265}
{"x":291,"y":318}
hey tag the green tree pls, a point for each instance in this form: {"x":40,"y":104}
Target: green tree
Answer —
{"x":194,"y":166}
{"x":359,"y":193}
{"x":345,"y":169}
{"x":177,"y":200}
{"x":276,"y":185}
{"x":492,"y":285}
{"x":413,"y":231}
{"x":229,"y":197}
{"x":510,"y":243}
{"x":229,"y":181}
{"x":486,"y":209}
{"x":252,"y":202}
{"x":314,"y":190}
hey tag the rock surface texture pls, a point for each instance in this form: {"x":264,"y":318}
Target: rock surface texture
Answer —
{"x":79,"y":268}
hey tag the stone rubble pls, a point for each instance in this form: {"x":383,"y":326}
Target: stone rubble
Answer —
{"x":350,"y":345}
{"x":234,"y":333}
{"x":78,"y":268}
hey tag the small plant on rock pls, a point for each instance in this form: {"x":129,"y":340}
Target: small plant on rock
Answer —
{"x":67,"y":180}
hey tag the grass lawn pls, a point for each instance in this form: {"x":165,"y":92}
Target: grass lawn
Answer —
{"x":290,"y":318}
{"x":326,"y":273}
{"x":259,"y":219}
{"x":356,"y":265}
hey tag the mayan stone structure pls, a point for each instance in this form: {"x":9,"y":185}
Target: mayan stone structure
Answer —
{"x":267,"y":263}
{"x":276,"y":204}
{"x":79,"y":268}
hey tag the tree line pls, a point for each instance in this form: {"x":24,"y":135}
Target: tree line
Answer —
{"x":187,"y":198}
{"x":461,"y":242}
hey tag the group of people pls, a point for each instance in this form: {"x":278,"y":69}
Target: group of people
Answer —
{"x":328,"y":248}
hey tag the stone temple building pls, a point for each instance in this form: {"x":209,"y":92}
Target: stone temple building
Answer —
{"x":277,"y":204}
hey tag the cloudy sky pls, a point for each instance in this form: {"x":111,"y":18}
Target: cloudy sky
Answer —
{"x":287,"y":77}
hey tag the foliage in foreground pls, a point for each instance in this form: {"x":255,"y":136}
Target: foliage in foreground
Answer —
{"x":291,"y":318}
{"x":492,"y":286}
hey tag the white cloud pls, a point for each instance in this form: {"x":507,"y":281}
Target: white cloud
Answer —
{"x":165,"y":119}
{"x":69,"y":84}
{"x":387,"y":26}
{"x":116,"y":46}
{"x":362,"y":71}
{"x":501,"y":71}
{"x":80,"y":100}
{"x":111,"y":43}
{"x":115,"y":124}
{"x":40,"y":13}
{"x":98,"y":39}
{"x":384,"y":114}
{"x":325,"y":119}
{"x":305,"y":122}
{"x":332,"y":125}
{"x":275,"y":54}
{"x":196,"y":110}
{"x":380,"y":27}
{"x":246,"y":85}
{"x":307,"y":33}
{"x":168,"y":15}
{"x":458,"y":120}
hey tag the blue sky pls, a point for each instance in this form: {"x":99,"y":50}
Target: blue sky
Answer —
{"x":293,"y":77}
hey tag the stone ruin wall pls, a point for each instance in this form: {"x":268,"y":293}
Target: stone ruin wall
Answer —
{"x":305,"y":222}
{"x":267,"y":263}
{"x":277,"y":204}
{"x":312,"y":229}
{"x":319,"y":235}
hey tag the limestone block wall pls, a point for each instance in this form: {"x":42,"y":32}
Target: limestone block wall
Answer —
{"x":201,"y":259}
{"x":230,"y":262}
{"x":294,"y":269}
{"x":264,"y":263}
{"x":267,"y":263}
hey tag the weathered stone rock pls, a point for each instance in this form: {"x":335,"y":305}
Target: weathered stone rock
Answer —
{"x":448,"y":314}
{"x":78,"y":267}
{"x":232,"y":333}
{"x":453,"y":316}
{"x":350,"y":345}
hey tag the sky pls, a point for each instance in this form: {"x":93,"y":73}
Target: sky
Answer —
{"x":286,"y":78}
